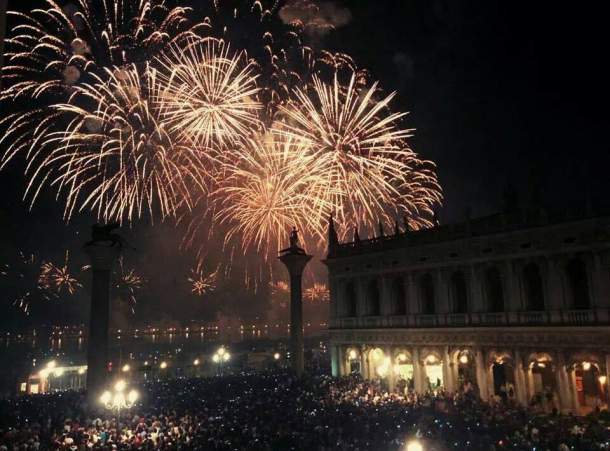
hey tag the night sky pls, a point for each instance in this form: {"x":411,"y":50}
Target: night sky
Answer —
{"x":501,"y":93}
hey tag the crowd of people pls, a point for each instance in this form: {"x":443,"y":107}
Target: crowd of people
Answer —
{"x":277,"y":411}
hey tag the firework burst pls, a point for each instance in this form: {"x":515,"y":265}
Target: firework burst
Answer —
{"x":116,"y":156}
{"x":127,"y":284}
{"x":54,"y":49}
{"x":267,"y":189}
{"x":365,"y":170}
{"x":202,"y":283}
{"x":210,"y":95}
{"x":318,"y":292}
{"x":58,"y":278}
{"x":27,"y":282}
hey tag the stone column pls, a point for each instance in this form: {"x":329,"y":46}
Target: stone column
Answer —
{"x":481,"y":373}
{"x":335,"y":363}
{"x":601,"y":284}
{"x":567,"y":401}
{"x":475,"y":291}
{"x":295,"y":260}
{"x":412,"y":303}
{"x":554,"y":286}
{"x":448,"y":378}
{"x":513,"y":300}
{"x":443,"y":292}
{"x":364,"y":356}
{"x":418,"y":372}
{"x":102,"y":259}
{"x":385,"y":297}
{"x":520,"y":380}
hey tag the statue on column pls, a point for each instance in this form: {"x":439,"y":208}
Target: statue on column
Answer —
{"x":293,"y":240}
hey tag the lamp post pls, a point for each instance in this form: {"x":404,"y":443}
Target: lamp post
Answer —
{"x":295,"y":259}
{"x":116,"y":400}
{"x":220,"y":357}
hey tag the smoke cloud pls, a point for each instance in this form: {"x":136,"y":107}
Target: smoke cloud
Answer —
{"x":315,"y":18}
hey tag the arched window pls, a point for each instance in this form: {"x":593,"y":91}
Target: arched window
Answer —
{"x":578,"y":284}
{"x":426,"y":291}
{"x":534,"y":292}
{"x":351,"y":300}
{"x":374,"y":305}
{"x":459,"y":292}
{"x":398,"y":296}
{"x":493,"y":290}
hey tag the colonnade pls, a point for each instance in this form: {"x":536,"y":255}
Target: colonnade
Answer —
{"x":568,"y":382}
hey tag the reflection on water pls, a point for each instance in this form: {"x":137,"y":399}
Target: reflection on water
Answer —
{"x":73,"y":338}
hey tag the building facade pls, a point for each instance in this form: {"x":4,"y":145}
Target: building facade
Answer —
{"x":512,"y":306}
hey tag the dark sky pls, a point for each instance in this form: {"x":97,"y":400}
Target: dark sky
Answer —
{"x":499,"y":92}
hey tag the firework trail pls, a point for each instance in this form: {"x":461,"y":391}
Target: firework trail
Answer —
{"x":210,"y":95}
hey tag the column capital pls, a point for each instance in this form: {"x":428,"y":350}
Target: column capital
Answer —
{"x":102,"y":257}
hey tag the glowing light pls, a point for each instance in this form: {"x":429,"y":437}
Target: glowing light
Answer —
{"x":58,"y":372}
{"x":602,"y":379}
{"x":414,"y":445}
{"x":586,"y":366}
{"x":216,"y":358}
{"x":51,"y":364}
{"x":431,"y":359}
{"x":106,"y":397}
{"x":81,"y":371}
{"x":132,"y":396}
{"x":353,"y":354}
{"x":196,"y":362}
{"x":276,"y":356}
{"x":402,"y":357}
{"x":125,"y":368}
{"x":120,"y":385}
{"x":464,"y":359}
{"x":163,"y":365}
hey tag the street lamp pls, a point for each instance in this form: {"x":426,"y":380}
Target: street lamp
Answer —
{"x":276,"y":356}
{"x":221,"y":356}
{"x":116,"y":400}
{"x":414,"y":445}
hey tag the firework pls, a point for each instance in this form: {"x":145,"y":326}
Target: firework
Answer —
{"x":318,"y":292}
{"x":279,"y":288}
{"x":116,"y":156}
{"x":366,"y":171}
{"x":26,"y":282}
{"x":58,"y":278}
{"x":54,"y":49}
{"x":202,"y":283}
{"x":127,"y":284}
{"x":50,"y":49}
{"x":210,"y":95}
{"x":267,"y":190}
